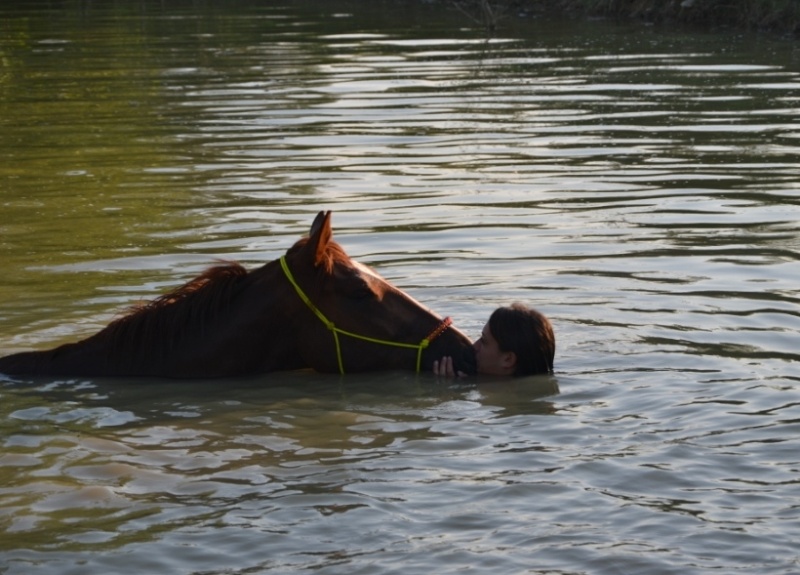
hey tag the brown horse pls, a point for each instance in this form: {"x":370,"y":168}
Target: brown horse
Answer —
{"x":312,"y":308}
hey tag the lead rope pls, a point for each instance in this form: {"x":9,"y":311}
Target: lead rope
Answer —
{"x":439,"y":330}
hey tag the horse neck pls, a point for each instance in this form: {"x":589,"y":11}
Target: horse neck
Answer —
{"x":238,"y":333}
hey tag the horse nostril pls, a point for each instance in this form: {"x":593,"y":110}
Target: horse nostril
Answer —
{"x":467,"y":362}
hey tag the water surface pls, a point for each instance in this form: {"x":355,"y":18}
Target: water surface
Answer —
{"x":637,"y":185}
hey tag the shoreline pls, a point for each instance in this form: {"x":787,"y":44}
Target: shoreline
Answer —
{"x":778,"y":17}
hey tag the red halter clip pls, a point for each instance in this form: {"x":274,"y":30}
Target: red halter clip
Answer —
{"x":439,"y":329}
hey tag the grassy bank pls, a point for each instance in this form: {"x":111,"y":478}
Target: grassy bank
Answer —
{"x":776,"y":16}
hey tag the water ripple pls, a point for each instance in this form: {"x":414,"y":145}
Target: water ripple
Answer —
{"x":640,"y":187}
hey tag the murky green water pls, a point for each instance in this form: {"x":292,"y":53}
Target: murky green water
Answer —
{"x":639,"y":186}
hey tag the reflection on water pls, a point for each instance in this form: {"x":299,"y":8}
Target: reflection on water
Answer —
{"x":638,"y":186}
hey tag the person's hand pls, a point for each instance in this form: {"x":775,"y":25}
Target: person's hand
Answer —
{"x":444,"y":368}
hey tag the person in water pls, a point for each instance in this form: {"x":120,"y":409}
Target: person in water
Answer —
{"x":517,"y":340}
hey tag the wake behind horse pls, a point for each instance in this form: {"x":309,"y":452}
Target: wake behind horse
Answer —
{"x":313,"y":308}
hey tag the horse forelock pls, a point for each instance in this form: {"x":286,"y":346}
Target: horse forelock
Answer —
{"x":333,"y":254}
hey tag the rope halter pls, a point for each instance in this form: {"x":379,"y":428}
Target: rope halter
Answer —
{"x":438,"y":330}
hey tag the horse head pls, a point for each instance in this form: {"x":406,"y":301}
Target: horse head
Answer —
{"x":354,"y":320}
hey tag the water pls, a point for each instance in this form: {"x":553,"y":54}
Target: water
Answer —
{"x":639,"y":186}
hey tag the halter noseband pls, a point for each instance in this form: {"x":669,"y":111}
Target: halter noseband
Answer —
{"x":439,"y":330}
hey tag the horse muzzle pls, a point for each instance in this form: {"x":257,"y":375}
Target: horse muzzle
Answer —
{"x":466,"y":362}
{"x":447,"y":340}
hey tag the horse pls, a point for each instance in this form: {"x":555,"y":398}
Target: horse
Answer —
{"x":313,"y":308}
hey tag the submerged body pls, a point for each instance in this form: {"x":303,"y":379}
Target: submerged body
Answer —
{"x":230,"y":321}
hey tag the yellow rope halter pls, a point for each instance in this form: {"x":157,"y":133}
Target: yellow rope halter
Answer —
{"x":336,"y":331}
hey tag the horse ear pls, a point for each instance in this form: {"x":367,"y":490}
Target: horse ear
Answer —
{"x":320,"y":235}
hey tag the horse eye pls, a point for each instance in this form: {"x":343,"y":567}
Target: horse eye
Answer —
{"x":362,"y":291}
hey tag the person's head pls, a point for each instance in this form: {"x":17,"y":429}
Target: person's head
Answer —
{"x":517,"y":340}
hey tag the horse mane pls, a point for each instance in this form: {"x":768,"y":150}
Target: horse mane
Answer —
{"x":152,"y":330}
{"x":188,"y":309}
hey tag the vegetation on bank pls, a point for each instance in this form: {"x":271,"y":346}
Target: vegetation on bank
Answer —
{"x":777,"y":16}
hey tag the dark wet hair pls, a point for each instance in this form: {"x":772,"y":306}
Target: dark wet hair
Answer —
{"x":526,"y":332}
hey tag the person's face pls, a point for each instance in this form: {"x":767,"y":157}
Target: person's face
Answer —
{"x":491,"y":359}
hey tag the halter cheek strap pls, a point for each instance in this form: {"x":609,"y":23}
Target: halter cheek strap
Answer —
{"x":439,"y":330}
